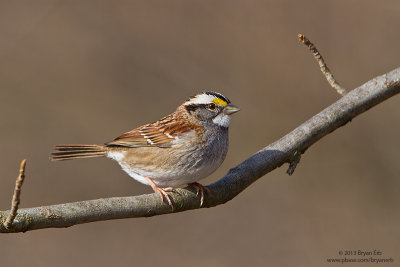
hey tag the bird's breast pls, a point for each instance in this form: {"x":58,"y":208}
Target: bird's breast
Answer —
{"x":188,"y":160}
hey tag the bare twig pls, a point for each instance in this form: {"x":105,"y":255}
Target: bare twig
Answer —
{"x":16,"y":196}
{"x":293,"y":162}
{"x":324,"y":68}
{"x":269,"y":158}
{"x":329,"y":76}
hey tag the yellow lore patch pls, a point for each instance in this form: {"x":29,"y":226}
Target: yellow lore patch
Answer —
{"x":219,"y":101}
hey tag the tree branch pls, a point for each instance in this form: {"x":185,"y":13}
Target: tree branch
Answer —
{"x":16,"y":196}
{"x":331,"y":80}
{"x":285,"y":150}
{"x":322,"y":65}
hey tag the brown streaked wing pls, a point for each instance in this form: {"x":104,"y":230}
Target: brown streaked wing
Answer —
{"x":160,"y":134}
{"x":130,"y":139}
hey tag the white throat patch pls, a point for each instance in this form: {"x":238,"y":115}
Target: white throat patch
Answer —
{"x":222,"y":120}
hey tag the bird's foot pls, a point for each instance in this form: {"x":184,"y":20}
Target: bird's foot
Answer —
{"x":200,"y":189}
{"x":162,"y":192}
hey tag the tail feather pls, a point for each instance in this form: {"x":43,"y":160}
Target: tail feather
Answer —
{"x":65,"y":152}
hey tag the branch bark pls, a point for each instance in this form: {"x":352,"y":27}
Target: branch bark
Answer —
{"x":322,"y":65}
{"x":16,"y":197}
{"x":285,"y":150}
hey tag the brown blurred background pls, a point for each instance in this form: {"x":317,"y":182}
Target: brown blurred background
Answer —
{"x":87,"y":71}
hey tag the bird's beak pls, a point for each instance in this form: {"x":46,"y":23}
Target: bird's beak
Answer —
{"x":230,"y":109}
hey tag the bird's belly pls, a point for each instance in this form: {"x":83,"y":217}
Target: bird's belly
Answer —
{"x":172,"y":169}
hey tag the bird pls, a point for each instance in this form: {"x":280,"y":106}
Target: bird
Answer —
{"x":178,"y":150}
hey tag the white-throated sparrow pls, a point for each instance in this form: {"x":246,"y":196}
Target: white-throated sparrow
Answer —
{"x":181,"y":148}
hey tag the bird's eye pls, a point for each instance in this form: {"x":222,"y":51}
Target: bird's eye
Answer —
{"x":211,"y":106}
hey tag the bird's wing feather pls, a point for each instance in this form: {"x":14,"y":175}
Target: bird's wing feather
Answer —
{"x":160,"y":134}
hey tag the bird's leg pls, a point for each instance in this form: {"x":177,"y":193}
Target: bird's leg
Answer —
{"x":200,"y":188}
{"x":168,"y":189}
{"x":162,"y":192}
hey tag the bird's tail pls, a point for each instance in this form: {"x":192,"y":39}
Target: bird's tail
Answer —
{"x":65,"y":152}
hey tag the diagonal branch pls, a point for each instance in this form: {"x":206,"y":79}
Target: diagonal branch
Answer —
{"x":269,"y":158}
{"x":322,"y":65}
{"x":331,"y":80}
